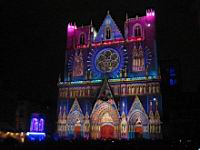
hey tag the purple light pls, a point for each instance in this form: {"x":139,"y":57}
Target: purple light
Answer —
{"x":34,"y":124}
{"x":37,"y":124}
{"x":41,"y":125}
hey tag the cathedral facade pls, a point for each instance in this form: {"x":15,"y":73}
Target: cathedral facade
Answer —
{"x":111,"y":84}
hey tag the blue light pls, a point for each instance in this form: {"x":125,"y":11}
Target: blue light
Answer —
{"x":172,"y":82}
{"x":172,"y":71}
{"x":36,"y":128}
{"x":76,"y":82}
{"x":35,"y":133}
{"x":33,"y":136}
{"x":96,"y":81}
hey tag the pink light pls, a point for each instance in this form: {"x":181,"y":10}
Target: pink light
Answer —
{"x":150,"y":13}
{"x":139,"y":39}
{"x":71,"y":27}
{"x":135,"y":38}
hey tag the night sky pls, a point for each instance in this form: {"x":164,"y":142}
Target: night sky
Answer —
{"x":33,"y":40}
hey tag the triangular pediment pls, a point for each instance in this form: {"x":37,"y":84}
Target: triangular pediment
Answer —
{"x":137,"y":105}
{"x":115,"y":32}
{"x":105,"y":92}
{"x":75,"y":107}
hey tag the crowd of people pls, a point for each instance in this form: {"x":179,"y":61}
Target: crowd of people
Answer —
{"x":139,"y":144}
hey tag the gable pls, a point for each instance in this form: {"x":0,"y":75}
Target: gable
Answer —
{"x":115,"y":32}
{"x":137,"y":105}
{"x":75,"y":107}
{"x":105,"y":92}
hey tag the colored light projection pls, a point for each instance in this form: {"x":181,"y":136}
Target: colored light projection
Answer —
{"x":117,"y":75}
{"x":36,"y":128}
{"x":150,"y":13}
{"x":107,"y":60}
{"x":71,"y":27}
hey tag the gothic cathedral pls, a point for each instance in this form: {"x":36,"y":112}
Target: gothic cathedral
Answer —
{"x":111,"y":84}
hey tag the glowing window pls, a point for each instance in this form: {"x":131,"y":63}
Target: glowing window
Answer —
{"x":172,"y":76}
{"x":172,"y":82}
{"x":41,"y":125}
{"x":34,"y":124}
{"x":82,"y":39}
{"x":108,"y":33}
{"x":137,"y":30}
{"x":37,"y":125}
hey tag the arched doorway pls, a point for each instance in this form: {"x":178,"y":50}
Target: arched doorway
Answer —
{"x":77,"y":129}
{"x":138,"y":128}
{"x":107,"y":132}
{"x":107,"y":129}
{"x":104,"y":120}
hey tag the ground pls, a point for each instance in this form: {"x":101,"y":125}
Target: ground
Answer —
{"x":101,"y":145}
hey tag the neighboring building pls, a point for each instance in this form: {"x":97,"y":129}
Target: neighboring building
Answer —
{"x":22,"y":117}
{"x":171,"y":77}
{"x":171,"y":85}
{"x":111,"y":85}
{"x":7,"y":110}
{"x":180,"y":108}
{"x":24,"y":114}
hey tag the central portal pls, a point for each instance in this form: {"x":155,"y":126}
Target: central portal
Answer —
{"x":107,"y":129}
{"x":107,"y":132}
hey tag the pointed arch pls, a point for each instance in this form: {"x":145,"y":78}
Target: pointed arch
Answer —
{"x":137,"y":118}
{"x":137,"y":30}
{"x":75,"y":120}
{"x":104,"y":117}
{"x":82,"y":38}
{"x":107,"y":33}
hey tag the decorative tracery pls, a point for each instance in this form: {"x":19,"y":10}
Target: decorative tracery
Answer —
{"x":138,"y":63}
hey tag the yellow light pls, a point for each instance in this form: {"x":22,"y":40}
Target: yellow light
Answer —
{"x":22,"y":140}
{"x":11,"y":134}
{"x":21,"y":134}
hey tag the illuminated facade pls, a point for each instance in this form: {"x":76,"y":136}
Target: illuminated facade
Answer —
{"x":111,"y":85}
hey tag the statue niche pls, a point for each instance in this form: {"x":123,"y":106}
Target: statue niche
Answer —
{"x":78,"y":64}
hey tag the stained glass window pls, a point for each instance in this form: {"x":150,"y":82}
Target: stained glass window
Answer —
{"x":107,"y":60}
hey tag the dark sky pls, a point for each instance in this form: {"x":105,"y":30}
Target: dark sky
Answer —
{"x":33,"y":38}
